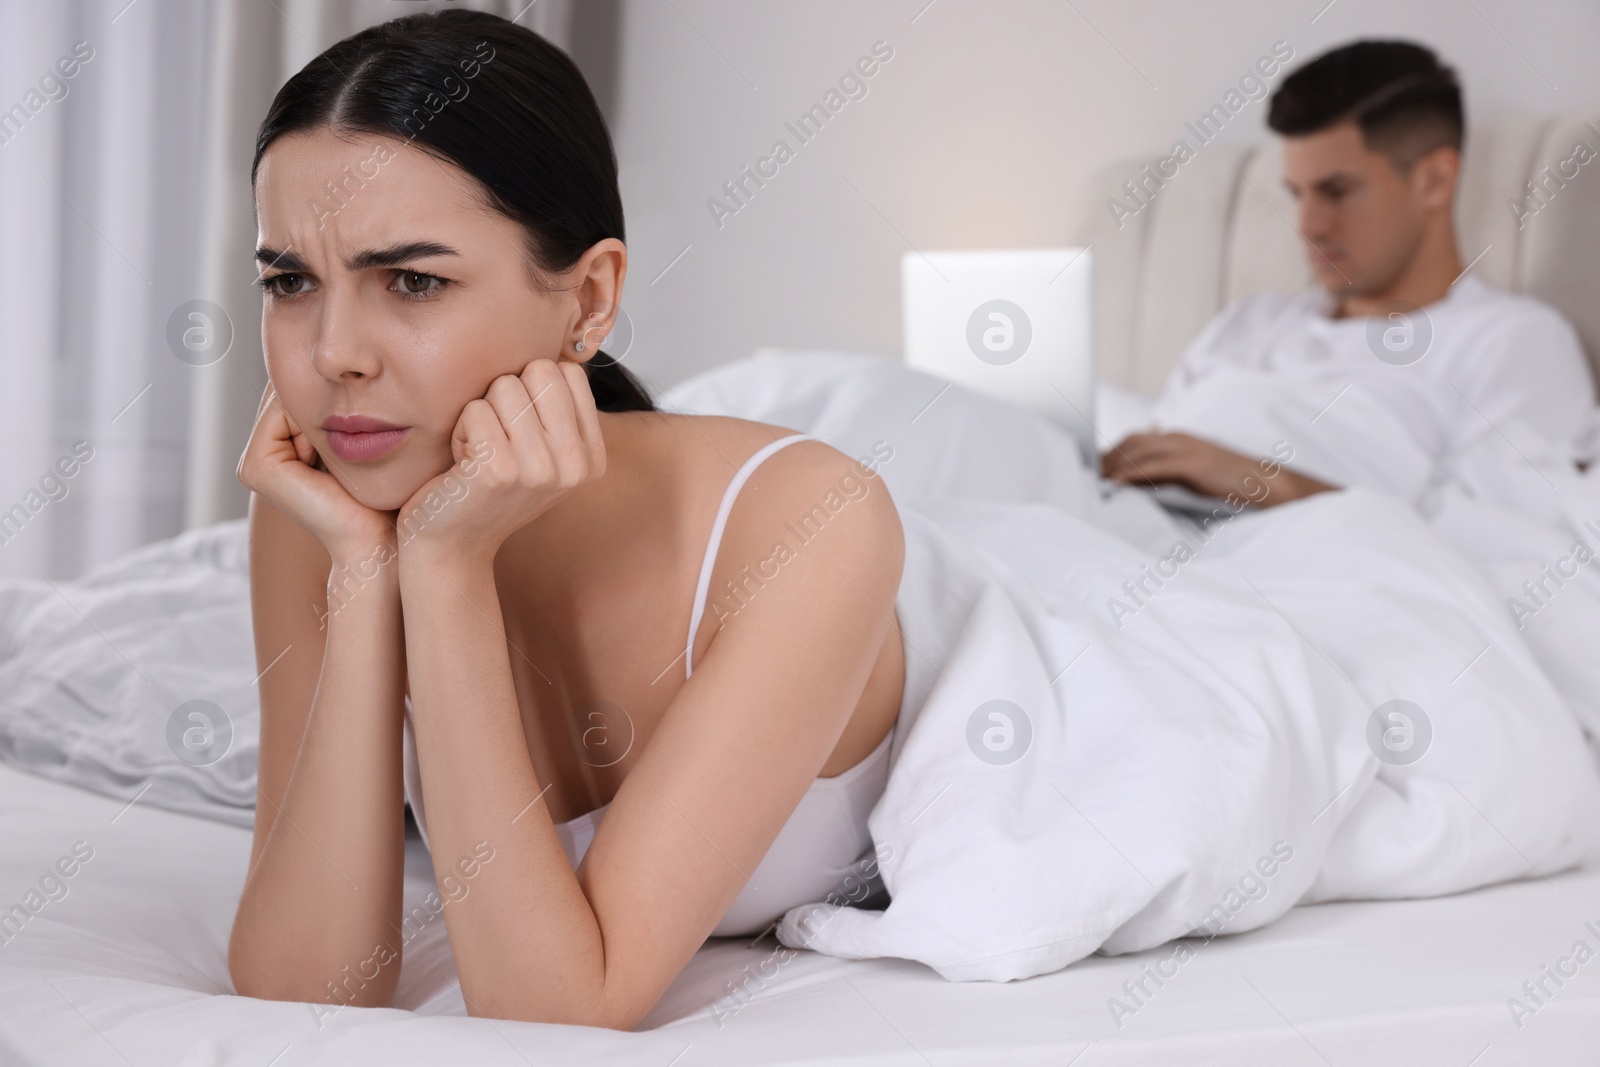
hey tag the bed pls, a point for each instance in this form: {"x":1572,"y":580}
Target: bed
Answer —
{"x":116,"y":906}
{"x":125,"y":959}
{"x":131,"y":967}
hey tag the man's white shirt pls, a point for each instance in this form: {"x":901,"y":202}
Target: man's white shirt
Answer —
{"x":1479,"y":363}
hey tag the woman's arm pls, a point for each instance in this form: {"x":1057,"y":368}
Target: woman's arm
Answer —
{"x":731,"y":758}
{"x":323,"y":890}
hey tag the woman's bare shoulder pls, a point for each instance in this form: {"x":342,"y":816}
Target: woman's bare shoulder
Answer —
{"x":729,"y":441}
{"x":809,"y":494}
{"x":726,"y":435}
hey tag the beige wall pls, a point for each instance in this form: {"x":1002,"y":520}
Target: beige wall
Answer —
{"x":981,"y":131}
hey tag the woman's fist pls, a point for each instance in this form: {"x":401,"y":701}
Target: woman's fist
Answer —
{"x":280,"y":464}
{"x":531,"y":440}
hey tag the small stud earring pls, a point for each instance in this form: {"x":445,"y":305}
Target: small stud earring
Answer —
{"x":583,"y":339}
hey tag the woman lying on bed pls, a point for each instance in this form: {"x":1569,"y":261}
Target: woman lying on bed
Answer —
{"x":470,"y":527}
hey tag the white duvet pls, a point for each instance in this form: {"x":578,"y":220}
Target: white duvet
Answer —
{"x":1210,"y":759}
{"x":138,"y":679}
{"x":1508,"y":500}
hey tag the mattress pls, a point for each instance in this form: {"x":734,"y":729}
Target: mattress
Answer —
{"x":125,"y":962}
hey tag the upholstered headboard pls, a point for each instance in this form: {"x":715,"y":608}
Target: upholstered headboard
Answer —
{"x":1222,"y":228}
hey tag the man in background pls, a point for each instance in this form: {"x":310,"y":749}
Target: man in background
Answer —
{"x":1372,"y":154}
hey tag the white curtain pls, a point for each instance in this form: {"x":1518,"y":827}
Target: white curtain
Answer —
{"x":125,"y":200}
{"x":98,"y":178}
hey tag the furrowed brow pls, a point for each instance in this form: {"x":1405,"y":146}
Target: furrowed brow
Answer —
{"x":393,"y":256}
{"x":271,"y":257}
{"x":1338,"y":182}
{"x":398,"y":255}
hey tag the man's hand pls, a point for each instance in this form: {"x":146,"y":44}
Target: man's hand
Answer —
{"x":1205,"y":468}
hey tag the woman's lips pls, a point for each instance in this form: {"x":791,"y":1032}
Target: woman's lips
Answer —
{"x":361,"y":437}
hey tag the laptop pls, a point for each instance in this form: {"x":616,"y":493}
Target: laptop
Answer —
{"x":1017,"y":325}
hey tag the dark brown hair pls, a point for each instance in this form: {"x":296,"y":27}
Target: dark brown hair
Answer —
{"x":1404,"y":100}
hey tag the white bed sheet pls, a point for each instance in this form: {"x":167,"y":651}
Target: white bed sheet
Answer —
{"x":131,"y":967}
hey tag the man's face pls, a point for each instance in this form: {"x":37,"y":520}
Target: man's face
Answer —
{"x":1362,"y":219}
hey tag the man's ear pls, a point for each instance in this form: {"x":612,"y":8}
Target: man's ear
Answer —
{"x":596,"y":281}
{"x":1434,"y":176}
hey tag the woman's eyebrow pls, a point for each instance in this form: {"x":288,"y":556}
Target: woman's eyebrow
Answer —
{"x":393,"y":256}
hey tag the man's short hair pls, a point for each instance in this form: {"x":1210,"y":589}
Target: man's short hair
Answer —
{"x":1405,"y":102}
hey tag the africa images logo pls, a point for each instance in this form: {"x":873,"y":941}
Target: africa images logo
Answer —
{"x":999,"y":332}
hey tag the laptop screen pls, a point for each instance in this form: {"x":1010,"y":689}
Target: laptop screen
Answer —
{"x":1017,"y":325}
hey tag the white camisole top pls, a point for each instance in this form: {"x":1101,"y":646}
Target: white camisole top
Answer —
{"x":824,"y":837}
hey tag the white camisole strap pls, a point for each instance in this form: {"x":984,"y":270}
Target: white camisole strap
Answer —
{"x":703,"y":586}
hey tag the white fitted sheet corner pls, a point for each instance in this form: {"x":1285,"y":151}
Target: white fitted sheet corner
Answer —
{"x":131,"y":966}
